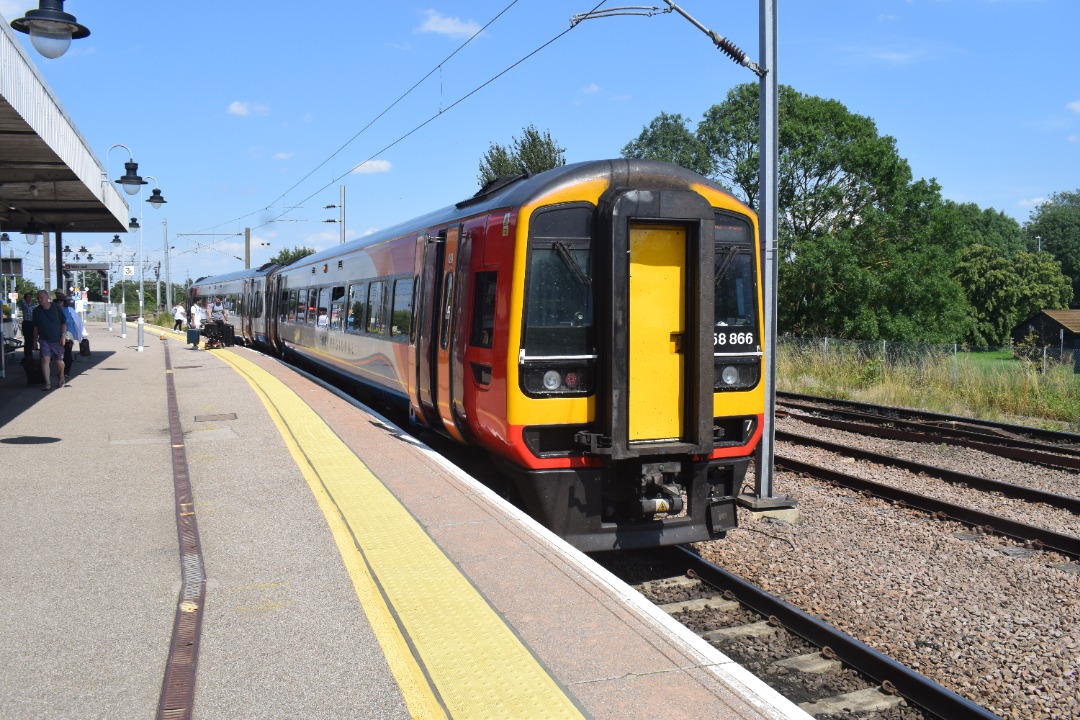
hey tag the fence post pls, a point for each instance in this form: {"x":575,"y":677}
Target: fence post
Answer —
{"x":1044,"y":361}
{"x":826,"y":357}
{"x":955,"y":365}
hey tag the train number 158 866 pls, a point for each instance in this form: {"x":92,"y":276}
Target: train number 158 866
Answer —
{"x":735,"y":338}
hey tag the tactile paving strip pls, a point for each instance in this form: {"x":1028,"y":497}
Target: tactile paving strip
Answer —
{"x":475,"y":664}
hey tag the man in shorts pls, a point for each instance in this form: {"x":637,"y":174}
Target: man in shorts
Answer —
{"x":50,"y":325}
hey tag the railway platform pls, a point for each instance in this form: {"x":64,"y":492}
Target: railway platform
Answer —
{"x":211,"y":534}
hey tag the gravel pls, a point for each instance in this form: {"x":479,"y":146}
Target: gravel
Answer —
{"x":994,"y":622}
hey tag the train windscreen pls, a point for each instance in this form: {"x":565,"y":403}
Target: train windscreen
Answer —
{"x":559,"y":303}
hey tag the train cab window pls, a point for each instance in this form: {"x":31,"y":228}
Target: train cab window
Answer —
{"x":337,"y":306}
{"x":354,"y":321}
{"x":736,"y":343}
{"x":288,"y":305}
{"x":483,"y":319}
{"x":301,"y":306}
{"x":376,"y":300}
{"x":734,"y":264}
{"x":401,"y":311}
{"x":559,"y":295}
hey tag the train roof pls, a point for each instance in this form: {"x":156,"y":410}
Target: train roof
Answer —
{"x":514,"y":192}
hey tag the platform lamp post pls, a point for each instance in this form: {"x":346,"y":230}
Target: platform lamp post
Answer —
{"x":132,"y":184}
{"x":51,"y":30}
{"x":156,"y":200}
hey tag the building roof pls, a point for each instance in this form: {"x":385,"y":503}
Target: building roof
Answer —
{"x":1068,"y":319}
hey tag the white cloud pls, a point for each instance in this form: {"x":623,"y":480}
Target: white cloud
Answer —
{"x":369,"y":167}
{"x":1074,"y":106}
{"x":435,"y":22}
{"x":1074,"y":138}
{"x":282,"y":156}
{"x":243,"y":108}
{"x":1031,"y":202}
{"x":591,"y":89}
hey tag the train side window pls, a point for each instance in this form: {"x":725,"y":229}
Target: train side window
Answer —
{"x":448,"y":305}
{"x":376,"y":298}
{"x":322,"y":307}
{"x":288,"y":305}
{"x":337,"y":306}
{"x":415,"y":303}
{"x":402,"y":309}
{"x":483,"y":319}
{"x":354,"y":322}
{"x":301,"y":306}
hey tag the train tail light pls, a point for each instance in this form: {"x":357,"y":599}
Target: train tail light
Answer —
{"x":544,"y":380}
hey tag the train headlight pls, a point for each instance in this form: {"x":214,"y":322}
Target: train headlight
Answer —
{"x":556,"y":378}
{"x":736,"y":373}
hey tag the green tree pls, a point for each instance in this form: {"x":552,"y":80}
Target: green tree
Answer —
{"x":992,"y":287}
{"x":1042,"y":284}
{"x":285,"y":256}
{"x":667,"y":138}
{"x":534,"y":152}
{"x":1057,"y":222}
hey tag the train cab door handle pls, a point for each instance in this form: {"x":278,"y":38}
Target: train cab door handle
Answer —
{"x":677,"y":343}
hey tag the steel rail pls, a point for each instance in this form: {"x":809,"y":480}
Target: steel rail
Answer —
{"x":1065,"y":544}
{"x":1046,"y":455}
{"x":1045,"y":436}
{"x":909,"y":684}
{"x":1019,"y":492}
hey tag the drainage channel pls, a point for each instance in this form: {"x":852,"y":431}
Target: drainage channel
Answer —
{"x":178,"y":686}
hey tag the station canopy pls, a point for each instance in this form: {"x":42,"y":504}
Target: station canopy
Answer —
{"x":50,"y":180}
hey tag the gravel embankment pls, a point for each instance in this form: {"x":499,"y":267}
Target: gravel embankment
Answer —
{"x":983,"y":617}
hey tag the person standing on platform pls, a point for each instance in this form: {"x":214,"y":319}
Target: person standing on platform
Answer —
{"x":198,"y":314}
{"x":49,"y":328}
{"x":180,"y":316}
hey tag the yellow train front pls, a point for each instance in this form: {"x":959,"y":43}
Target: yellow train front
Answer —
{"x":595,"y":328}
{"x":633,"y":356}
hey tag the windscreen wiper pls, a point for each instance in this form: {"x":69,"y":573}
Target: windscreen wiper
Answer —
{"x":721,"y":271}
{"x":564,"y":252}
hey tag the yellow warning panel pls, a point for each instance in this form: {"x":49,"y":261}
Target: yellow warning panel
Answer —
{"x":450,"y":652}
{"x":657,"y":328}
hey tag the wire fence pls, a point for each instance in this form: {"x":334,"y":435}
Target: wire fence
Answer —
{"x":886,"y":355}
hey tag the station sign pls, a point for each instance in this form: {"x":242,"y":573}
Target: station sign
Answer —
{"x":11,"y":266}
{"x":86,"y":266}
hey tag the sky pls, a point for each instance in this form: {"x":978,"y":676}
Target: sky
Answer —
{"x":254,"y":115}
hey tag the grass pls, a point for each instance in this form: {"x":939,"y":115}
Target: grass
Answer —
{"x":992,"y":386}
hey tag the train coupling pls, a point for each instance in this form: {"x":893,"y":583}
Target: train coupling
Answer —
{"x":660,"y":493}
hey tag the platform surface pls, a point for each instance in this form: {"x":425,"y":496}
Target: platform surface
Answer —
{"x":350,"y":571}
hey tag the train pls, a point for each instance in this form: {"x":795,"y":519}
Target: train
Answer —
{"x":596,"y":329}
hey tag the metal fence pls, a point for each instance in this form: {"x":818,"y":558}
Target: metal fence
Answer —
{"x":921,"y":356}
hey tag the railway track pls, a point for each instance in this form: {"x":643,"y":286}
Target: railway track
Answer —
{"x":1047,"y":447}
{"x":827,"y":672}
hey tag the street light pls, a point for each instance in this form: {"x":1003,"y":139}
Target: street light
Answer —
{"x":133,"y":184}
{"x":156,"y":200}
{"x":116,"y":242}
{"x":51,"y":30}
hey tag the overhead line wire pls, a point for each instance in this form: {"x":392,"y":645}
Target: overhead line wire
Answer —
{"x":457,"y":102}
{"x":390,"y":107}
{"x":418,"y":127}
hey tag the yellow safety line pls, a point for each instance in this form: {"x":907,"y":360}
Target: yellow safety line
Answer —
{"x":478,"y":666}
